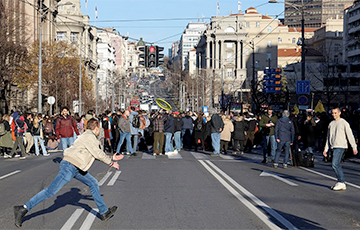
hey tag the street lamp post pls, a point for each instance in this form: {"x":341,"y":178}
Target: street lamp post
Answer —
{"x":300,"y":8}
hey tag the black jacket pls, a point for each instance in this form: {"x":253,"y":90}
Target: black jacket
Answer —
{"x":216,"y":124}
{"x":239,"y":130}
{"x":178,"y":124}
{"x":169,"y":126}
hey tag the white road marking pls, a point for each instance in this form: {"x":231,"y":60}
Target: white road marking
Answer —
{"x":199,"y":156}
{"x":89,"y":219}
{"x":260,"y":203}
{"x":330,"y":177}
{"x":242,"y":199}
{"x":176,"y":156}
{"x":9,"y":174}
{"x":227,"y":157}
{"x":107,"y":175}
{"x":73,"y":218}
{"x":277,"y":176}
{"x":114,"y":178}
{"x":148,"y":156}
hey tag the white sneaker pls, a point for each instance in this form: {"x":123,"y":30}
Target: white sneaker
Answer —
{"x":154,"y":154}
{"x":176,"y":152}
{"x":168,"y":153}
{"x":17,"y":155}
{"x":46,"y":155}
{"x":22,"y":158}
{"x":339,"y":186}
{"x":7,"y":156}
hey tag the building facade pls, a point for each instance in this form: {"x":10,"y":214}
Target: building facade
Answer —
{"x":189,"y":40}
{"x":351,"y":48}
{"x":316,"y":12}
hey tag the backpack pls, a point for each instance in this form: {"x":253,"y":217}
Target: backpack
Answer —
{"x":105,"y":124}
{"x":2,"y":129}
{"x":136,"y":121}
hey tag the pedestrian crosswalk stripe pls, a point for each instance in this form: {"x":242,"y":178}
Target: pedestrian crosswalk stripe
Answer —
{"x":176,"y":156}
{"x":89,"y":219}
{"x":199,"y":156}
{"x":227,"y":157}
{"x":105,"y":178}
{"x":73,"y":218}
{"x":114,"y":178}
{"x":147,"y":156}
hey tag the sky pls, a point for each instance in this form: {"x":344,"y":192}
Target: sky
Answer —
{"x":126,"y":16}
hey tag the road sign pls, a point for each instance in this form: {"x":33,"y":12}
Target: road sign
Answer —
{"x":51,"y":100}
{"x":303,"y":87}
{"x":303,"y":100}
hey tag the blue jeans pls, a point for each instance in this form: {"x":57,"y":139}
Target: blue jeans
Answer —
{"x":66,"y":142}
{"x":124,"y":136}
{"x":66,"y":174}
{"x":215,"y":140}
{"x":286,"y":145}
{"x":168,"y":143}
{"x":336,"y":164}
{"x":273,"y":145}
{"x":135,"y":142}
{"x":177,"y":138}
{"x":36,"y":140}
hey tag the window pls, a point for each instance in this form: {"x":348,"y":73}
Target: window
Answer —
{"x":269,"y":43}
{"x":229,"y":73}
{"x":257,"y":48}
{"x":293,"y":40}
{"x":257,"y":24}
{"x":248,"y":24}
{"x":257,"y":63}
{"x":229,"y":45}
{"x":279,"y":40}
{"x":73,"y":36}
{"x":60,"y":36}
{"x":247,"y":51}
{"x":269,"y":29}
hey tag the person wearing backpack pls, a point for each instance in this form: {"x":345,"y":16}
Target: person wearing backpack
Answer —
{"x":135,"y":122}
{"x":5,"y":136}
{"x":19,"y":126}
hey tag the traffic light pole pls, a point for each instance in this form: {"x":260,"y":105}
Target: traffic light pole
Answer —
{"x":40,"y":61}
{"x":302,"y":44}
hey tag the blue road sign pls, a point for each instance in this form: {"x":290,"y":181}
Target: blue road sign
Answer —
{"x":303,"y":87}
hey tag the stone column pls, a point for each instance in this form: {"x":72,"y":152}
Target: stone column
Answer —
{"x":222,"y":54}
{"x":216,"y":54}
{"x":207,"y":54}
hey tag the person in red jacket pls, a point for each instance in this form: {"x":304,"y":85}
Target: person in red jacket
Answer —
{"x":65,"y":128}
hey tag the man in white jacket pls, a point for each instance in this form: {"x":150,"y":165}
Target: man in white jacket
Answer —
{"x":339,"y":132}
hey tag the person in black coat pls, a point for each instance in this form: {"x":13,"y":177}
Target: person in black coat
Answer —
{"x":199,"y":132}
{"x":239,"y":134}
{"x":308,"y":133}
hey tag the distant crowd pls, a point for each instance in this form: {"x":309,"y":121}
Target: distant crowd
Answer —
{"x":165,"y":132}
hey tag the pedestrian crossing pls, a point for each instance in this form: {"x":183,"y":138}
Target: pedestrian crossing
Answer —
{"x":181,"y":155}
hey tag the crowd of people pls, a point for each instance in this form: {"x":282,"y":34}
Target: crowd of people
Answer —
{"x":165,"y":132}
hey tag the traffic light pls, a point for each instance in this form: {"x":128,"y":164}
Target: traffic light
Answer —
{"x":144,"y":56}
{"x":159,"y":56}
{"x":152,"y":57}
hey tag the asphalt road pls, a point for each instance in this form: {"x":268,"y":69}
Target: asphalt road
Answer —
{"x":188,"y":191}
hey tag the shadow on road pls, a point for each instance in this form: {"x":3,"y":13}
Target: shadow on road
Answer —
{"x":297,"y":221}
{"x":72,"y":197}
